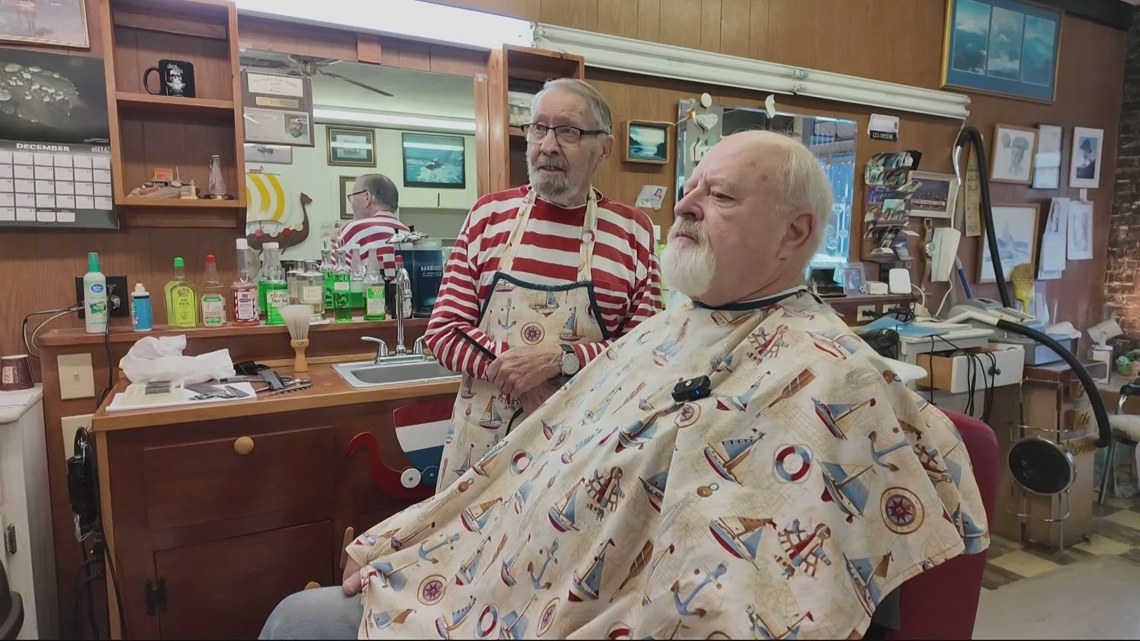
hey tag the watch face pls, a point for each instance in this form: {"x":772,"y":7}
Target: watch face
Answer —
{"x":570,"y":364}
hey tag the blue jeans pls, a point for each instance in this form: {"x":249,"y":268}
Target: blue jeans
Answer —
{"x":320,"y":613}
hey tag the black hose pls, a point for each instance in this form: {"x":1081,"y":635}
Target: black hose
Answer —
{"x":1105,"y":431}
{"x":974,"y":137}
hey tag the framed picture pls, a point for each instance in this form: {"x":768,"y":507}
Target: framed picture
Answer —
{"x":1003,"y":47}
{"x":434,"y":160}
{"x":854,"y":279}
{"x":647,"y":142}
{"x":269,"y":154}
{"x":935,"y":195}
{"x":351,"y":146}
{"x":518,"y":105}
{"x":1011,"y":155}
{"x":346,"y":183}
{"x":1016,"y":228}
{"x":60,"y":23}
{"x":1047,"y":162}
{"x":1079,"y":245}
{"x":1084,"y":167}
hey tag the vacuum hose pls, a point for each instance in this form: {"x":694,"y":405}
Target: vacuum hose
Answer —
{"x":973,"y":137}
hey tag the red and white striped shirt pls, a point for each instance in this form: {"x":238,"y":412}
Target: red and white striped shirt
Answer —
{"x":627,"y":282}
{"x":371,"y":235}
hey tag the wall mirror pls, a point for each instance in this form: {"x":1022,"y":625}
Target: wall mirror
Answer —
{"x":417,"y":128}
{"x":832,"y":140}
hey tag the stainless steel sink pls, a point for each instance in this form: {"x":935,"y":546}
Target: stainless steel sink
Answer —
{"x":395,"y":370}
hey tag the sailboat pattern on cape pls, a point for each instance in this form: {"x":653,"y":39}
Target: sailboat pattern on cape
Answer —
{"x":784,"y":505}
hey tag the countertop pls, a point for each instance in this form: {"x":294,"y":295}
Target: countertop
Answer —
{"x":328,"y":390}
{"x":10,"y":411}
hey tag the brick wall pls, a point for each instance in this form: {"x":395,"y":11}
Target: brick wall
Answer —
{"x":1122,"y":276}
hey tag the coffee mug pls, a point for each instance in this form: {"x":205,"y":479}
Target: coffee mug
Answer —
{"x":176,"y":78}
{"x":15,"y":373}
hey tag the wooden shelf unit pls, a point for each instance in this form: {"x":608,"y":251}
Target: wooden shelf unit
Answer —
{"x":519,"y":69}
{"x":149,"y":131}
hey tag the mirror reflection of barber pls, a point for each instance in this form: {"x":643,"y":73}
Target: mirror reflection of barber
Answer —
{"x":544,"y":276}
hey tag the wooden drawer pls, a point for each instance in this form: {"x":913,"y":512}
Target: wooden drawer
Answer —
{"x":201,"y":482}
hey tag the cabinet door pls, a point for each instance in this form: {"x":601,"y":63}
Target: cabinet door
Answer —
{"x":226,"y":589}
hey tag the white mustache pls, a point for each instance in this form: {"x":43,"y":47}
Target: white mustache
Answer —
{"x":690,"y":231}
{"x":544,"y":161}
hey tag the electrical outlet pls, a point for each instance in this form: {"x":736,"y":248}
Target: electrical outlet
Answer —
{"x":116,"y":286}
{"x":70,"y":425}
{"x":865,"y":313}
{"x":76,"y":376}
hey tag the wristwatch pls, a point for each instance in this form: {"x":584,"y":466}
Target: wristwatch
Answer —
{"x":570,"y":362}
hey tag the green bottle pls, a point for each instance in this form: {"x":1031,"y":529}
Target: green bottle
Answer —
{"x":327,"y":267}
{"x":375,"y":308}
{"x":181,"y":299}
{"x":342,"y":289}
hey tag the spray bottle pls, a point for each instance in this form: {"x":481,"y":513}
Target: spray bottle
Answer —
{"x":94,"y":297}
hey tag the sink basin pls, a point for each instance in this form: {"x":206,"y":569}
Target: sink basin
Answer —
{"x":400,"y":370}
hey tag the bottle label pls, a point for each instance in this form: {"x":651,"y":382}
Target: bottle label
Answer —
{"x":275,"y":300}
{"x":185,"y":312}
{"x":342,"y":286}
{"x":245,"y":305}
{"x":312,"y":294}
{"x":374,"y":301}
{"x":213,"y":310}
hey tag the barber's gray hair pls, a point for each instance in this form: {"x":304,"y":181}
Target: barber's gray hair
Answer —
{"x":603,"y":118}
{"x":807,"y":188}
{"x":383,"y":190}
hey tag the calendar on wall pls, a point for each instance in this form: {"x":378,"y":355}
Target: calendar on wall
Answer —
{"x":56,"y":185}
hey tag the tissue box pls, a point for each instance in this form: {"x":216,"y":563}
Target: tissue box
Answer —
{"x":951,"y":373}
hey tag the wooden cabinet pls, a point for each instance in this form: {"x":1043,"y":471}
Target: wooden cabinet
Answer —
{"x":182,"y":133}
{"x":213,"y":522}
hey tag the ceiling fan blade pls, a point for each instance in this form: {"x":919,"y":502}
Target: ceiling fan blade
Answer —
{"x":358,"y":84}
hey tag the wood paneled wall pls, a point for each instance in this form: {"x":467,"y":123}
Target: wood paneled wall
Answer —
{"x":893,"y":40}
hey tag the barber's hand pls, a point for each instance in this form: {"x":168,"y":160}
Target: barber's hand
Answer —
{"x":531,"y":400}
{"x":351,"y":582}
{"x":520,"y":369}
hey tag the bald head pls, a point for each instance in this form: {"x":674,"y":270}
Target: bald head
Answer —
{"x":757,"y":204}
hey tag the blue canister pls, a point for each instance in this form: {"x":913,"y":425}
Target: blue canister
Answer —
{"x":424,"y":261}
{"x":141,"y":315}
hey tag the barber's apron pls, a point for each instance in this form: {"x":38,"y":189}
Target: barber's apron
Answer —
{"x":520,"y":313}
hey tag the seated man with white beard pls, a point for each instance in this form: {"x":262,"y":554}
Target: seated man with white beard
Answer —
{"x":741,"y":465}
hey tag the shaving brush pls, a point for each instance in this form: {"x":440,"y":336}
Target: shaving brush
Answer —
{"x":297,"y":320}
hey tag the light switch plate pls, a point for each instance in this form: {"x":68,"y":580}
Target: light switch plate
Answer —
{"x":76,"y":377}
{"x":70,"y":425}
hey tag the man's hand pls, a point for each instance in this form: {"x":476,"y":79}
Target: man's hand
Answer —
{"x":520,"y":369}
{"x":538,"y":395}
{"x":351,"y":582}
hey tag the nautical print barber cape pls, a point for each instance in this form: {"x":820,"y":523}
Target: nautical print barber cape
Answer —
{"x":807,"y":486}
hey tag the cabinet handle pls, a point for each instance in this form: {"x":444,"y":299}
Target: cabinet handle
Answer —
{"x":243,"y":445}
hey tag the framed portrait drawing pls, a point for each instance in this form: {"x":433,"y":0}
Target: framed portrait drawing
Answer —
{"x":647,"y":142}
{"x":58,"y":23}
{"x":434,"y":160}
{"x":1003,"y":47}
{"x":1084,"y":166}
{"x":351,"y":146}
{"x":1079,"y":245}
{"x":1047,"y":161}
{"x":1016,"y":228}
{"x":1011,"y":154}
{"x":935,"y":196}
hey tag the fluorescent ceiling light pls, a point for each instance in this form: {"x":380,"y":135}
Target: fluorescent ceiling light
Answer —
{"x":352,"y":116}
{"x":706,"y":68}
{"x":409,"y":19}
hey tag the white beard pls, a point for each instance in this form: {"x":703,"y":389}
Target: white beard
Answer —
{"x":688,"y":270}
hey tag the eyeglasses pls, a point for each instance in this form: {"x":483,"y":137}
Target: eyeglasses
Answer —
{"x":349,"y":196}
{"x":565,"y":135}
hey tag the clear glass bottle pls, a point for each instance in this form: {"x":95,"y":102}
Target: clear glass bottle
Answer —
{"x":375,"y":308}
{"x":181,"y":298}
{"x":306,"y":287}
{"x":244,"y":288}
{"x":342,"y":289}
{"x":356,"y":279}
{"x":213,"y":296}
{"x":403,"y":288}
{"x":217,"y":184}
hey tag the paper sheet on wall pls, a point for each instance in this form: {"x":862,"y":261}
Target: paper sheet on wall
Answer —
{"x":972,"y":202}
{"x":1053,"y":239}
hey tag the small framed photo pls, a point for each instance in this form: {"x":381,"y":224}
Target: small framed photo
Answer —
{"x":1084,"y":168}
{"x":518,"y":104}
{"x":854,"y":279}
{"x":647,"y":141}
{"x":1011,"y":155}
{"x":351,"y":146}
{"x":1016,"y":226}
{"x":346,"y":183}
{"x":1047,"y":163}
{"x":935,"y":196}
{"x":269,"y":154}
{"x":433,"y":160}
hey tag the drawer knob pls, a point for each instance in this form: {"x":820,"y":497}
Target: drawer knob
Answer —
{"x":243,"y":445}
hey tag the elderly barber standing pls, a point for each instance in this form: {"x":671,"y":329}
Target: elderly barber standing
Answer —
{"x":543,"y":276}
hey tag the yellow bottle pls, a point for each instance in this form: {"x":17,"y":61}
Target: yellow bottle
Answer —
{"x":181,"y":299}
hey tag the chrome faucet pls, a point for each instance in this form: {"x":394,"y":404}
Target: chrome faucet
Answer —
{"x":403,"y":305}
{"x":418,"y":346}
{"x":381,"y":347}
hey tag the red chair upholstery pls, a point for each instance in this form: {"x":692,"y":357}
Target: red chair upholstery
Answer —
{"x":943,"y":602}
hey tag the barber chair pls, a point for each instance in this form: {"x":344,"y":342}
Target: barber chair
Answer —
{"x":11,"y":609}
{"x":1125,"y":429}
{"x":942,"y":603}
